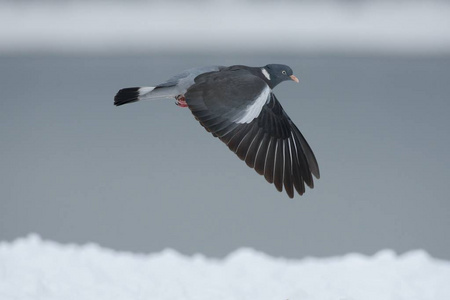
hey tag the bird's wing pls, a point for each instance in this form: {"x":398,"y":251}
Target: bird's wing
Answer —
{"x":241,"y":110}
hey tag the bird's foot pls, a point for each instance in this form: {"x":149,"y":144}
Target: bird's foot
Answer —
{"x":181,"y":101}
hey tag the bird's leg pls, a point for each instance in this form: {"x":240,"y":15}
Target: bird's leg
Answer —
{"x":181,"y":101}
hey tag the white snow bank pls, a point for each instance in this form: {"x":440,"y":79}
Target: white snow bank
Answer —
{"x":31,"y":268}
{"x":281,"y":27}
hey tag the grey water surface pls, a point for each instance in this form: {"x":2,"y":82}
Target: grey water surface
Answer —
{"x":146,"y":176}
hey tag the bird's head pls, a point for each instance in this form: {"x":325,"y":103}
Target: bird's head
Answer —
{"x":276,"y":74}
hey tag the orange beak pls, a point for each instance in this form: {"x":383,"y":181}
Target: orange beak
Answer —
{"x":294,"y":78}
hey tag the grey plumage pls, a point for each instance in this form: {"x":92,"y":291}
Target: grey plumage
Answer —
{"x":174,"y":86}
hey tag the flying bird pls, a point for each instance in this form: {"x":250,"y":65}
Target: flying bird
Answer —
{"x":237,"y":105}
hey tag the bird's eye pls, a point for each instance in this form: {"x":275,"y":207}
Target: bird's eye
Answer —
{"x":283,"y":72}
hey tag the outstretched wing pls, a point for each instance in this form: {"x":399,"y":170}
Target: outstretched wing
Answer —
{"x":241,"y":110}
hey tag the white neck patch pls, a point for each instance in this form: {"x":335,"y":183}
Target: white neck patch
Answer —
{"x":265,"y":73}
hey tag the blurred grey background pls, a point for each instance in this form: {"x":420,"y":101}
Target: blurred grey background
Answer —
{"x":146,"y":176}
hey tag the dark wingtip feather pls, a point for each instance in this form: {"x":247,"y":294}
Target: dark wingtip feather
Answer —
{"x":288,"y":184}
{"x":311,"y":158}
{"x":270,"y":161}
{"x":253,"y":149}
{"x":279,"y":166}
{"x":127,"y":95}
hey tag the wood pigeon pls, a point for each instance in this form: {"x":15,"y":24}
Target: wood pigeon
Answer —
{"x":237,"y":105}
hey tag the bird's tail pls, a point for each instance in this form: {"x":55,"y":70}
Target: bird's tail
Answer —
{"x":134,"y":94}
{"x":131,"y":94}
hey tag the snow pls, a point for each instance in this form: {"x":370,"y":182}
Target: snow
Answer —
{"x":281,"y":27}
{"x":33,"y":268}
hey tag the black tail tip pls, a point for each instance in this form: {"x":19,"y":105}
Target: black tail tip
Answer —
{"x":127,"y":95}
